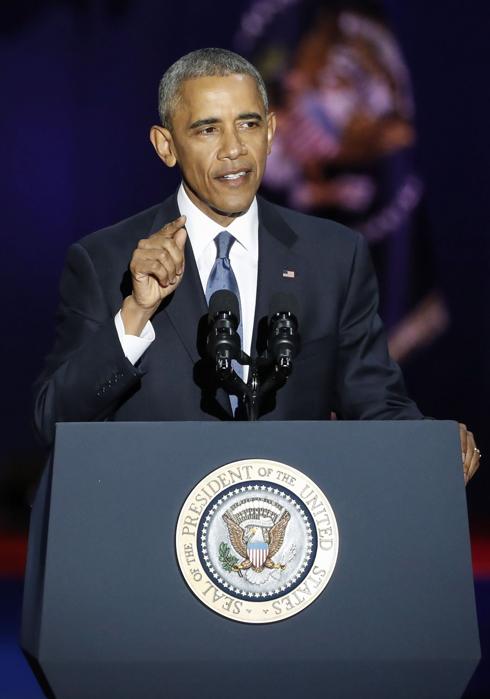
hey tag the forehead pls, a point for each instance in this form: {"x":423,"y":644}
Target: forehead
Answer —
{"x":218,"y":96}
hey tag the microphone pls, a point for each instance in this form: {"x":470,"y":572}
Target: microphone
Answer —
{"x":283,"y":340}
{"x":223,"y":343}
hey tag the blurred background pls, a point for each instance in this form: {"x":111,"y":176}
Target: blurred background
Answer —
{"x":383,"y":119}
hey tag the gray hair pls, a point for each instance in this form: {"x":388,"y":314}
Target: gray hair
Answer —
{"x":199,"y":64}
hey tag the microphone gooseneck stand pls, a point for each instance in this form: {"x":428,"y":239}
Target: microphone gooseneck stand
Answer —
{"x":224,"y":347}
{"x":252,"y":393}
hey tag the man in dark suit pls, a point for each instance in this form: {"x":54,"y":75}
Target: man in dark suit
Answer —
{"x":130,"y":342}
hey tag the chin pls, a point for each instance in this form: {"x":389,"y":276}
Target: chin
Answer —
{"x":233,"y":206}
{"x":233,"y":211}
{"x":228,"y":211}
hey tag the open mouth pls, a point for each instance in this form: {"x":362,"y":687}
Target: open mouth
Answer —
{"x":237,"y":176}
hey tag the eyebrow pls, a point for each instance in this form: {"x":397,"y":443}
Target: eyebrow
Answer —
{"x":203,"y":122}
{"x":214,"y":120}
{"x":250,"y":115}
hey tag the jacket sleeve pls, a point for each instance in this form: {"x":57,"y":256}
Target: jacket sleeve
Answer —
{"x":86,"y":375}
{"x":370,"y":385}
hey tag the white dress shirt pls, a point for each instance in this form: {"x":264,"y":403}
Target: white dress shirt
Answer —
{"x":244,"y":256}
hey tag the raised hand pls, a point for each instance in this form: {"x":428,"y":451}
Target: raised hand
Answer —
{"x":157,"y":266}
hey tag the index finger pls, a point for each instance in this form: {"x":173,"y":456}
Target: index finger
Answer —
{"x":170,"y":229}
{"x":463,"y":434}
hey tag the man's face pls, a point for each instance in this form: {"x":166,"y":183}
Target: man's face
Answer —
{"x":220,"y":138}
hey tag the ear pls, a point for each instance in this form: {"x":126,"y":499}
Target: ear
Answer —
{"x":271,"y":129}
{"x":161,"y":140}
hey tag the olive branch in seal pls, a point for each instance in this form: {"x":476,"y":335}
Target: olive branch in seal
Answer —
{"x":225,"y":557}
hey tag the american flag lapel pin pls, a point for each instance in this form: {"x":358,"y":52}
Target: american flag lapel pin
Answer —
{"x":288,"y":273}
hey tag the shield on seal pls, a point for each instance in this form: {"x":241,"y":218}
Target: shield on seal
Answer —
{"x":257,"y":553}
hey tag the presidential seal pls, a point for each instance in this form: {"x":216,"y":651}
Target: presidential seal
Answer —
{"x":257,"y":541}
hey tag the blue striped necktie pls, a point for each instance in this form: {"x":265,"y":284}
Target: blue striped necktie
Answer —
{"x":223,"y":277}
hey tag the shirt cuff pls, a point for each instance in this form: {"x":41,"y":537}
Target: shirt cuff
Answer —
{"x":134,"y":346}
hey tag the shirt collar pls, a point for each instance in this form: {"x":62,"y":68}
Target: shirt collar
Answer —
{"x":202,"y":230}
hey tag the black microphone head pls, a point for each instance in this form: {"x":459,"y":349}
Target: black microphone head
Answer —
{"x":224,"y":301}
{"x":283,"y":303}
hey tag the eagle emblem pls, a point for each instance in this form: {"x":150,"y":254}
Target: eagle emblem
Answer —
{"x":256,"y":542}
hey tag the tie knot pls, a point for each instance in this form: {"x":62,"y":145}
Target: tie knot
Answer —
{"x":224,"y":241}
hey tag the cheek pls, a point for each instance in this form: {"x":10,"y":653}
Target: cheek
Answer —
{"x":262,"y":159}
{"x":262,"y":150}
{"x":198,"y":165}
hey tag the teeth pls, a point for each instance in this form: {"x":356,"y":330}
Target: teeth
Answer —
{"x":234,"y":176}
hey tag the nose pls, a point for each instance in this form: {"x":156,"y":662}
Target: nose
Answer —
{"x":231,"y":146}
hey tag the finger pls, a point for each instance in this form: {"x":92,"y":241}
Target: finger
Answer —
{"x":155,"y":241}
{"x":474,"y":465}
{"x":158,"y":265}
{"x":168,"y":251}
{"x":180,"y":238}
{"x":152,"y":269}
{"x":468,"y":454}
{"x":463,"y":434}
{"x":175,"y":248}
{"x":472,"y":460}
{"x":170,"y":229}
{"x":179,"y":241}
{"x":161,"y":239}
{"x":169,"y":255}
{"x":470,"y":446}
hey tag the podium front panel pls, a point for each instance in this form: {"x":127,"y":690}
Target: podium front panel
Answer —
{"x":107,"y":612}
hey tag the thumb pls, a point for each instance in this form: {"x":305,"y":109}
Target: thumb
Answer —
{"x":180,"y":237}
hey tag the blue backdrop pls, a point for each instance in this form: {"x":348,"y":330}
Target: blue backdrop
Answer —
{"x":79,"y":83}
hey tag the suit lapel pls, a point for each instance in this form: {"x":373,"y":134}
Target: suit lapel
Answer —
{"x":187,"y":311}
{"x":279,"y":268}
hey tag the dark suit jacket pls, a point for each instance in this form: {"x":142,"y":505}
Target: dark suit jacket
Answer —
{"x":343,"y":364}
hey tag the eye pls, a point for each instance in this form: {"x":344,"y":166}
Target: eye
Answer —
{"x":207,"y":131}
{"x":249,"y":124}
